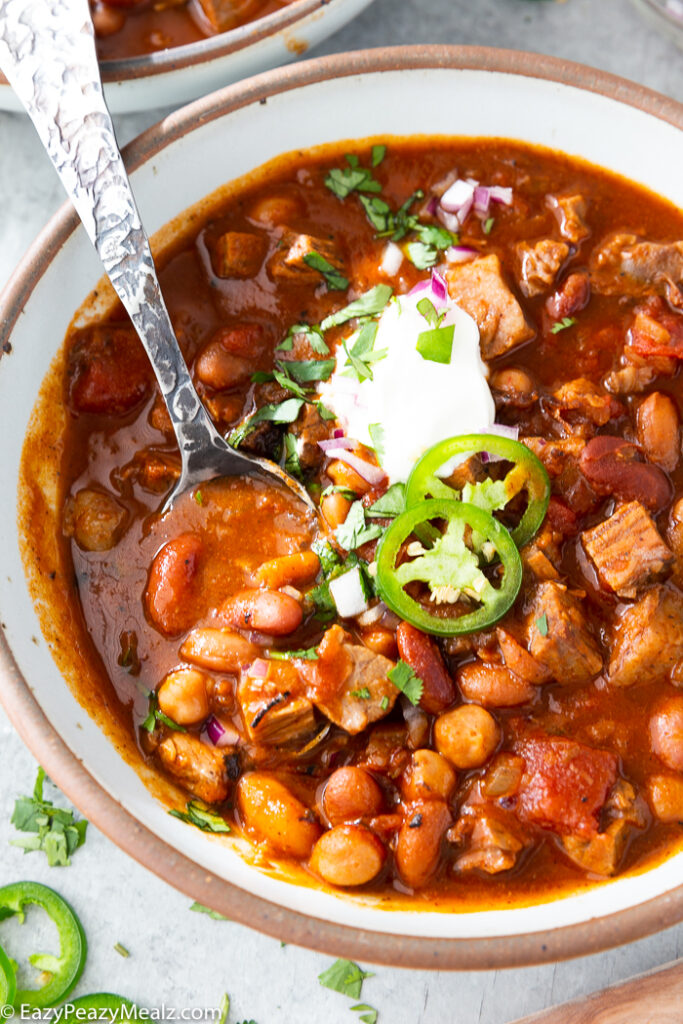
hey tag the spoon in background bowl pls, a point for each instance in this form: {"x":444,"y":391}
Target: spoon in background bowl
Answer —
{"x":47,"y":52}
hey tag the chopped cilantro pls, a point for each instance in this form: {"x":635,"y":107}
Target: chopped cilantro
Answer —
{"x":121,"y":949}
{"x":362,"y":694}
{"x":199,"y":497}
{"x":368,"y":304}
{"x":346,"y":977}
{"x":282,"y":412}
{"x":342,"y":181}
{"x":360,"y":351}
{"x":305,"y":653}
{"x":54,"y":830}
{"x":405,"y":680}
{"x":421,"y":255}
{"x":368,"y":1014}
{"x":334,"y":279}
{"x":542,"y":624}
{"x":391,"y":504}
{"x":199,"y":908}
{"x":306,"y":370}
{"x":384,"y":703}
{"x":329,"y":559}
{"x":155,"y":715}
{"x":324,"y":412}
{"x":376,"y":431}
{"x":488,"y":225}
{"x":292,"y":464}
{"x":379,"y":213}
{"x":323,"y":602}
{"x":563,"y":324}
{"x":200,"y":816}
{"x":435,"y":236}
{"x":354,"y":532}
{"x":436,"y":345}
{"x":378,"y":154}
{"x":429,"y":311}
{"x":312,"y":333}
{"x":286,"y":382}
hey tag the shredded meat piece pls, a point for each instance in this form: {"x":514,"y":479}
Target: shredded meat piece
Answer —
{"x":108,"y":370}
{"x":480,"y":288}
{"x":647,"y":637}
{"x":386,"y":751}
{"x":590,"y":401}
{"x":627,"y":549}
{"x":559,"y":636}
{"x":493,"y":846}
{"x":198,"y":767}
{"x":539,"y":264}
{"x":570,"y":212}
{"x":564,"y":785}
{"x":274,"y":712}
{"x":623,"y":265}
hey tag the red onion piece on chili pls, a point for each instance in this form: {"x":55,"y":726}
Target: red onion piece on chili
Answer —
{"x":460,"y":253}
{"x":439,"y":286}
{"x":338,"y":432}
{"x":337,"y":442}
{"x":500,"y":194}
{"x":259,"y":668}
{"x":482,"y":200}
{"x":373,"y":474}
{"x":449,"y":220}
{"x":458,"y":196}
{"x":218,"y":735}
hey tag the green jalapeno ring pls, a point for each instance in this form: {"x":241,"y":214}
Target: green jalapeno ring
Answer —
{"x":528,"y":473}
{"x":100,"y":1001}
{"x":391,"y":580}
{"x":65,"y":969}
{"x":8,"y":980}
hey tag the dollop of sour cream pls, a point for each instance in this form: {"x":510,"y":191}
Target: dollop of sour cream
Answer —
{"x":416,"y":402}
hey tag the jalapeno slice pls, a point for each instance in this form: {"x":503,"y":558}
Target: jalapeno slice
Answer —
{"x":64,"y":970}
{"x":120,"y":1008}
{"x":527,"y":474}
{"x":450,"y":568}
{"x":8,"y":980}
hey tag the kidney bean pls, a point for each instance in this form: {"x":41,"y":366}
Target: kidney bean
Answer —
{"x":351,"y":793}
{"x":247,"y":340}
{"x":658,"y":430}
{"x":418,"y":848}
{"x":276,"y":209}
{"x":493,"y":686}
{"x":609,"y":464}
{"x":270,"y":810}
{"x":380,"y":640}
{"x":420,"y":652}
{"x":268,"y":611}
{"x":571,"y":296}
{"x":665,"y":793}
{"x":348,"y":855}
{"x":171,"y":582}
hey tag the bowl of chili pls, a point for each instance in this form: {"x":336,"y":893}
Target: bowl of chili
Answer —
{"x":165,"y":54}
{"x":552,"y":690}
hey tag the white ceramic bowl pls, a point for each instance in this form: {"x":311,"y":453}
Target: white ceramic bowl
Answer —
{"x":171,"y":77}
{"x":380,"y":93}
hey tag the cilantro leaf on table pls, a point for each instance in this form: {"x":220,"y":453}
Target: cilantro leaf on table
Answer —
{"x":405,"y":680}
{"x":201,"y":817}
{"x":54,"y":830}
{"x":199,"y":908}
{"x":368,"y":1014}
{"x":346,"y":977}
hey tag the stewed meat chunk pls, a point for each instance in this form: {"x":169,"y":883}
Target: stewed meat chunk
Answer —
{"x":198,"y":767}
{"x":570,"y":213}
{"x":625,"y":265}
{"x":647,"y":637}
{"x":539,"y":264}
{"x":480,"y":288}
{"x":627,"y":549}
{"x":559,"y":636}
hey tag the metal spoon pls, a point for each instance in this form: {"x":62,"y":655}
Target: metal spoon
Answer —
{"x":47,"y":52}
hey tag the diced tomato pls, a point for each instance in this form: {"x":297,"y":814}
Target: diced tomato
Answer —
{"x":109,"y":371}
{"x":656,"y":331}
{"x":564,"y":784}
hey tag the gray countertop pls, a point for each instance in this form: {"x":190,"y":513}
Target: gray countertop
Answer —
{"x":185,"y":961}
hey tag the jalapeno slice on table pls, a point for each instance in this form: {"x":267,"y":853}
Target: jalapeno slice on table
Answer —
{"x":451,"y":569}
{"x":528,"y":474}
{"x":63,"y":970}
{"x":8,"y":980}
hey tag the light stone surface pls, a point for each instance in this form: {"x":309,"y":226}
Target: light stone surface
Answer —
{"x":185,"y":960}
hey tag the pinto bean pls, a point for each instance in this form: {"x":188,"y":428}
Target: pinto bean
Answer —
{"x":219,"y":649}
{"x":665,"y":793}
{"x":268,"y":611}
{"x":418,"y":848}
{"x":514,"y":386}
{"x":351,"y":793}
{"x":572,"y":296}
{"x":348,"y":855}
{"x":424,"y":657}
{"x":666,"y":733}
{"x":288,"y":571}
{"x":171,"y":582}
{"x":271,"y":812}
{"x":183,"y":696}
{"x":467,"y":736}
{"x":659,"y":430}
{"x":220,"y":369}
{"x":609,"y":465}
{"x":335,"y":508}
{"x":380,"y":640}
{"x":429,"y":776}
{"x":276,"y":210}
{"x":493,"y":686}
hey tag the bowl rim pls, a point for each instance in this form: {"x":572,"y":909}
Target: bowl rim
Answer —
{"x":105,"y":812}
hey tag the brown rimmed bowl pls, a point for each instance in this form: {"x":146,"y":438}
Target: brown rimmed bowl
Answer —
{"x":381,"y":93}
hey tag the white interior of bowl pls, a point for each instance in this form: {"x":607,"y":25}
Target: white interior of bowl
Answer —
{"x":438,"y":101}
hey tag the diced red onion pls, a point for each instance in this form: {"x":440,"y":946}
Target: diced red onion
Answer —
{"x":338,"y":432}
{"x":439,"y":286}
{"x":482,"y":200}
{"x":432,"y":205}
{"x":500,"y":194}
{"x":449,"y":220}
{"x":338,"y":441}
{"x":372,"y":614}
{"x":457,"y":197}
{"x":259,"y":668}
{"x":218,"y":735}
{"x":392,"y":258}
{"x":421,"y":286}
{"x":348,"y":594}
{"x":373,"y":474}
{"x":460,"y":253}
